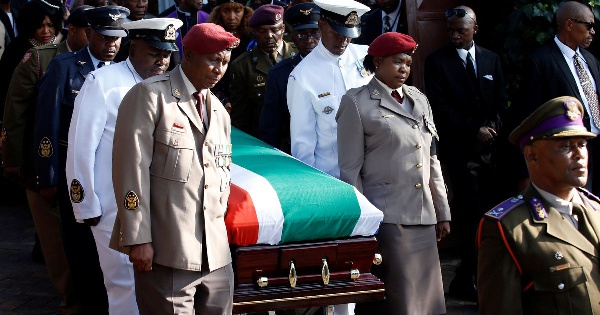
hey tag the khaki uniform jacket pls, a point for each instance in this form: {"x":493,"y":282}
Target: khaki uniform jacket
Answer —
{"x":532,"y":261}
{"x":389,"y":155}
{"x":167,"y":184}
{"x":249,"y":73}
{"x":19,"y":110}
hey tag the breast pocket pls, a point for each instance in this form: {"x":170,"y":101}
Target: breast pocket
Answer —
{"x":173,"y":156}
{"x":564,"y":290}
{"x":326,"y":108}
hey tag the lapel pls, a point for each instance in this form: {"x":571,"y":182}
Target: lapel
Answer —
{"x":386,"y":101}
{"x":560,"y":61}
{"x":185,"y":102}
{"x":556,"y":226}
{"x":84,"y":62}
{"x":417,"y":100}
{"x":263,"y":64}
{"x":482,"y":63}
{"x":592,"y":215}
{"x":592,"y":64}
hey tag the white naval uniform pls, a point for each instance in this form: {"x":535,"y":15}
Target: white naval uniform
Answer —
{"x":315,"y":89}
{"x":89,"y":161}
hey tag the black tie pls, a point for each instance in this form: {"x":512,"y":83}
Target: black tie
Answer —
{"x":583,"y":224}
{"x":387,"y":26}
{"x":471,"y":72}
{"x":101,"y":64}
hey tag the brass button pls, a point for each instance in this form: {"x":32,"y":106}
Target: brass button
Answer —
{"x":206,"y":143}
{"x":174,"y":142}
{"x":415,"y":126}
{"x":418,"y":146}
{"x":204,"y":207}
{"x":418,"y":186}
{"x":206,"y":186}
{"x":419,"y":165}
{"x":205,"y":164}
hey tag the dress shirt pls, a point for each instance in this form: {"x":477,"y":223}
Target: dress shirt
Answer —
{"x":462,"y":53}
{"x":191,"y":90}
{"x":96,"y":61}
{"x":394,"y":18}
{"x":406,"y":105}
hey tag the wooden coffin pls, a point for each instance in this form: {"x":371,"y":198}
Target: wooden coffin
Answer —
{"x":265,"y":280}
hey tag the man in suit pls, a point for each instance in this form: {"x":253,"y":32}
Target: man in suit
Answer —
{"x":538,"y":252}
{"x":250,"y":71}
{"x":171,"y":210}
{"x":58,"y":88}
{"x":274,"y":122}
{"x":465,"y":86}
{"x":390,"y":16}
{"x":556,"y":60}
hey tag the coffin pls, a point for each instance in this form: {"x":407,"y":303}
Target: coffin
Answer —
{"x":299,"y":237}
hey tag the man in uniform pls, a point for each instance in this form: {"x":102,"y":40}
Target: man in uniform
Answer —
{"x":19,"y":112}
{"x":274,"y":123}
{"x":59,"y":86}
{"x":171,"y":210}
{"x":89,"y":155}
{"x":249,"y":72}
{"x":317,"y":84}
{"x":538,"y":252}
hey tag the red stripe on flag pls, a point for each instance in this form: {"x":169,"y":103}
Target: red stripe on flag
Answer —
{"x":241,"y":219}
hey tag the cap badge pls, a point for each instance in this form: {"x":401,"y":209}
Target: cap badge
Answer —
{"x":327,"y":110}
{"x":170,"y":33}
{"x":306,"y":12}
{"x":572,"y":111}
{"x":77,"y":193}
{"x":45,"y":149}
{"x":114,"y":17}
{"x":132,"y":202}
{"x":352,"y":19}
{"x":277,"y":16}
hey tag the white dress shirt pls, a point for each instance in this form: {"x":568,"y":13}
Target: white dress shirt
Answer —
{"x":462,"y":53}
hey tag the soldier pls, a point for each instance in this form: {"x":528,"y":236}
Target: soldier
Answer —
{"x":274,"y":124}
{"x":538,"y":252}
{"x":18,"y":156}
{"x":171,"y":211}
{"x":249,"y":72}
{"x":58,"y":88}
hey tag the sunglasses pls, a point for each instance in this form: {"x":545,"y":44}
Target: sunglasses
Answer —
{"x":461,"y":13}
{"x":588,"y":25}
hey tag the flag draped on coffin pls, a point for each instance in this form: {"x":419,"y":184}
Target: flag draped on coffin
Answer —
{"x":277,"y":199}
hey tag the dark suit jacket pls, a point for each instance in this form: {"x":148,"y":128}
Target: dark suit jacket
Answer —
{"x":371,"y":25}
{"x":459,"y":109}
{"x":59,"y":86}
{"x":274,"y":122}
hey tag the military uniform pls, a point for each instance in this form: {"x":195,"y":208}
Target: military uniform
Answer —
{"x":532,"y":261}
{"x":249,"y":74}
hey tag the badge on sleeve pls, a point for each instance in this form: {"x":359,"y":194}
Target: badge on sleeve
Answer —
{"x":45,"y":149}
{"x":77,"y":193}
{"x":26,"y":57}
{"x":132,"y":202}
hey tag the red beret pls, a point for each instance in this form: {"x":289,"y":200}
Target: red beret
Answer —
{"x":392,"y":43}
{"x":209,"y":38}
{"x":268,"y":14}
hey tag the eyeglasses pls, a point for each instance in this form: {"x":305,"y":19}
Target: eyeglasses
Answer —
{"x":461,"y":13}
{"x":305,"y":36}
{"x":588,"y":25}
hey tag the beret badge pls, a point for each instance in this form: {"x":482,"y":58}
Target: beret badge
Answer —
{"x":277,"y":16}
{"x":170,"y":32}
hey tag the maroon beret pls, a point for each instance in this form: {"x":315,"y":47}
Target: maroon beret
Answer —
{"x":392,"y":43}
{"x":268,"y":14}
{"x":209,"y":38}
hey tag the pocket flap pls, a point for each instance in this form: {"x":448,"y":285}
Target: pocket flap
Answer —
{"x":560,"y":281}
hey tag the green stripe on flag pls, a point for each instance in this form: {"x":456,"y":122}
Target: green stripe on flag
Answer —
{"x":315,"y":205}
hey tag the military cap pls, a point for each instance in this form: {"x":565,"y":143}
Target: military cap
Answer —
{"x":392,"y":43}
{"x":209,"y":38}
{"x":108,"y":20}
{"x":242,"y":2}
{"x":343,"y":15}
{"x":158,"y":32}
{"x":77,"y":17}
{"x":558,"y":118}
{"x":268,"y":14}
{"x":48,"y":6}
{"x":303,"y":16}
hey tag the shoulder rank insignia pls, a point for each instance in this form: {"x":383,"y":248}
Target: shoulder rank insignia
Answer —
{"x":26,"y":57}
{"x":77,"y":193}
{"x":328,"y":110}
{"x":3,"y":135}
{"x":132,"y":202}
{"x":45,"y":149}
{"x":589,"y":195}
{"x":505,"y":207}
{"x":538,"y":209}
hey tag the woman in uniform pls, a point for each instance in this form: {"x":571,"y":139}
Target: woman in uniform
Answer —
{"x":387,"y":150}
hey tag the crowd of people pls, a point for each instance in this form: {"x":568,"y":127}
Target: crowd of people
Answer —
{"x":117,"y":124}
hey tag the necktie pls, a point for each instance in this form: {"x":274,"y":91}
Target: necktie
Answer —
{"x":397,"y":96}
{"x":273,"y":57}
{"x":100,"y":64}
{"x":583,"y":224}
{"x":199,"y":105}
{"x":588,"y":89}
{"x":387,"y":27}
{"x":471,"y":72}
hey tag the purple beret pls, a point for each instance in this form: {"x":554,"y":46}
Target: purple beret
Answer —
{"x":392,"y":43}
{"x":209,"y":38}
{"x":268,"y":14}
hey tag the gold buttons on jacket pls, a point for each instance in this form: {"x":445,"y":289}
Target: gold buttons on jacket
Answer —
{"x":419,"y":165}
{"x":175,"y":142}
{"x":418,"y":146}
{"x":206,"y":143}
{"x":206,"y":186}
{"x":415,"y":126}
{"x":418,"y":186}
{"x":206,"y":164}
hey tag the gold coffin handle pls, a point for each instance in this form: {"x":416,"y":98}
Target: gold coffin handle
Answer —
{"x":377,"y":259}
{"x":354,"y":274}
{"x":293,"y":276}
{"x":325,"y":271}
{"x":263,"y":282}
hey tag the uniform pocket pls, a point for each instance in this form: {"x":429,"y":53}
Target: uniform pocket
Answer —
{"x":563,"y":290}
{"x":173,"y":156}
{"x":326,"y":108}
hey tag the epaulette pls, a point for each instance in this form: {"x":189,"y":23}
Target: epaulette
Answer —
{"x":499,"y":211}
{"x":588,"y":194}
{"x":414,"y":90}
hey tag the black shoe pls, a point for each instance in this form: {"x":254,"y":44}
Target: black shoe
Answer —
{"x":463,"y":289}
